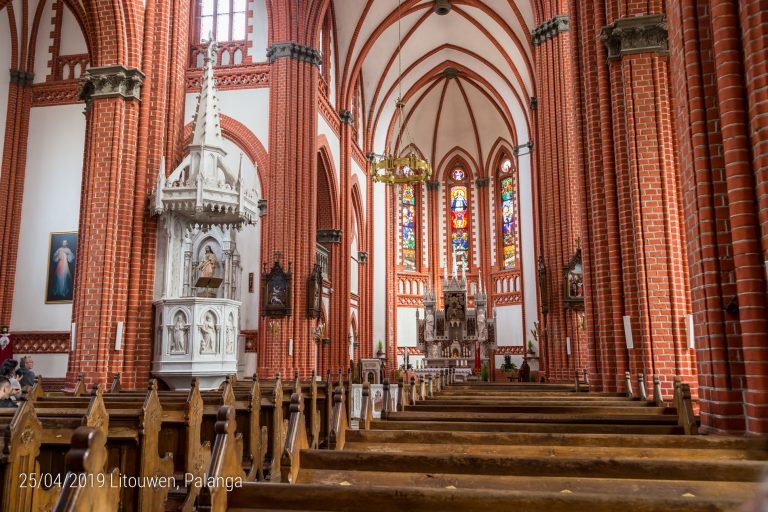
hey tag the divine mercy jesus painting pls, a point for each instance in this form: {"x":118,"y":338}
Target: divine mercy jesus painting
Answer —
{"x":61,"y":268}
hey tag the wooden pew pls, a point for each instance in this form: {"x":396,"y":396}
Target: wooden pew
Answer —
{"x":87,"y":487}
{"x":225,"y":466}
{"x":132,"y":430}
{"x":19,"y":469}
{"x":180,"y":433}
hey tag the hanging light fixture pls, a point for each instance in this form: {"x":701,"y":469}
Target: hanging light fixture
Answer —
{"x":390,"y":168}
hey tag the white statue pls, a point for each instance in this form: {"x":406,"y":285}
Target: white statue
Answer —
{"x":208,"y":332}
{"x":429,"y":329}
{"x":230,"y":335}
{"x":179,"y":335}
{"x":482,"y":328}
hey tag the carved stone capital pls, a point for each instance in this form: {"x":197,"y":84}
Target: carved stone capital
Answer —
{"x":22,"y":78}
{"x":433,"y":185}
{"x":329,"y":236}
{"x":294,"y":51}
{"x":346,"y":116}
{"x":550,"y":29}
{"x":482,"y":182}
{"x":636,"y":34}
{"x":111,"y":82}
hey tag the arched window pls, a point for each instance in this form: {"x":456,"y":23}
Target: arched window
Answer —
{"x":224,"y":20}
{"x":408,"y":207}
{"x":509,"y":219}
{"x":459,"y":197}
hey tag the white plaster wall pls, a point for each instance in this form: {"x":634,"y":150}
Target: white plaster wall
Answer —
{"x":332,"y":75}
{"x":379,"y":262}
{"x":357,"y":171}
{"x":5,"y":64}
{"x":48,"y":365}
{"x":51,"y":204}
{"x":249,"y":106}
{"x":509,"y":325}
{"x":333,"y":141}
{"x":259,"y":35}
{"x":353,"y":269}
{"x":527,"y":242}
{"x":72,"y":40}
{"x":406,"y":327}
{"x":43,"y":45}
{"x":248,"y":242}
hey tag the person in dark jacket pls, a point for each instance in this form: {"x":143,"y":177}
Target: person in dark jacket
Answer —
{"x":27,"y":374}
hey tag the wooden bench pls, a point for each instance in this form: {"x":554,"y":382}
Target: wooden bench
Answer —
{"x":86,"y":485}
{"x":131,"y":428}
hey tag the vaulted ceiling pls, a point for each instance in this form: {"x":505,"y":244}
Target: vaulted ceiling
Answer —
{"x":466,"y":77}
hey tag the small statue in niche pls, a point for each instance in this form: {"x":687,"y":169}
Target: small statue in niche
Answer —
{"x":207,"y":265}
{"x":230,"y":335}
{"x":179,"y":335}
{"x":482,"y":330}
{"x":429,"y":330}
{"x":208,"y":332}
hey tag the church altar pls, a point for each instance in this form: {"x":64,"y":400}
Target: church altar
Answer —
{"x":456,"y":335}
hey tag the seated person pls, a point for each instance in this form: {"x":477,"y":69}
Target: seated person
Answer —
{"x":27,"y":375}
{"x":5,"y":393}
{"x":9,"y":372}
{"x":15,"y":385}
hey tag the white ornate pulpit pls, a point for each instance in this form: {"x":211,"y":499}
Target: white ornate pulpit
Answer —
{"x":201,"y":204}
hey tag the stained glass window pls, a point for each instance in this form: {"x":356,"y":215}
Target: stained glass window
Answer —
{"x":409,"y":227}
{"x":460,"y":225}
{"x":508,"y":217}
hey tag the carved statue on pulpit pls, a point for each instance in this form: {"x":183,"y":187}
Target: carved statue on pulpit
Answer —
{"x":207,"y":265}
{"x":230,"y":346}
{"x":208,"y":334}
{"x":179,"y":338}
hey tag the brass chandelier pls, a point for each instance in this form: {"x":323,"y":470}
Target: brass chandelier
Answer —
{"x":390,"y":168}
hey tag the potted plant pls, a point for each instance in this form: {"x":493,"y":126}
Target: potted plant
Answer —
{"x":531,"y":350}
{"x":380,"y":348}
{"x":484,"y":373}
{"x":509,"y":367}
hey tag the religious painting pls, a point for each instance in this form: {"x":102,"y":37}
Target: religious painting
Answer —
{"x":276,"y":292}
{"x":62,"y":250}
{"x":574,"y":282}
{"x":409,"y":227}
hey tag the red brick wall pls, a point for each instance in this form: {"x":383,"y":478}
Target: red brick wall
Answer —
{"x":716,"y":49}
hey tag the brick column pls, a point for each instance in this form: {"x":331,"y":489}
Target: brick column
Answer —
{"x":12,"y":183}
{"x":291,"y":222}
{"x":715,"y":47}
{"x":654,"y":274}
{"x":342,"y":298}
{"x":113,"y":97}
{"x":558,"y":185}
